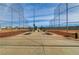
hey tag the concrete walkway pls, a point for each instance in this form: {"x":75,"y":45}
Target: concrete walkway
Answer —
{"x":38,"y":43}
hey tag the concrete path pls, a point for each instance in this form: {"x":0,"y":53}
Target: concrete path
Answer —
{"x":38,"y":43}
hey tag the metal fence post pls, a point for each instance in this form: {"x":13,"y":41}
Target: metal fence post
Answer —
{"x":67,"y":17}
{"x":11,"y":17}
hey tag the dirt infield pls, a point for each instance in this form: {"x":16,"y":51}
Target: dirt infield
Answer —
{"x":7,"y":33}
{"x":65,"y":33}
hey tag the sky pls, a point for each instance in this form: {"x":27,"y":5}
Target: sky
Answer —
{"x":14,"y":14}
{"x":43,"y":13}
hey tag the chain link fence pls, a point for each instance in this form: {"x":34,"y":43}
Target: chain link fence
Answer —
{"x":66,"y":16}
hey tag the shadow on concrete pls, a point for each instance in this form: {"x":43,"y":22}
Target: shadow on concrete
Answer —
{"x":27,"y":33}
{"x":47,"y":33}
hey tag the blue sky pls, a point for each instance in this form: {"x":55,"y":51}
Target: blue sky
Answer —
{"x":44,"y":12}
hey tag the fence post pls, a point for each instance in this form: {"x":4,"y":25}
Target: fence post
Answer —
{"x":11,"y":17}
{"x":59,"y":16}
{"x":67,"y":17}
